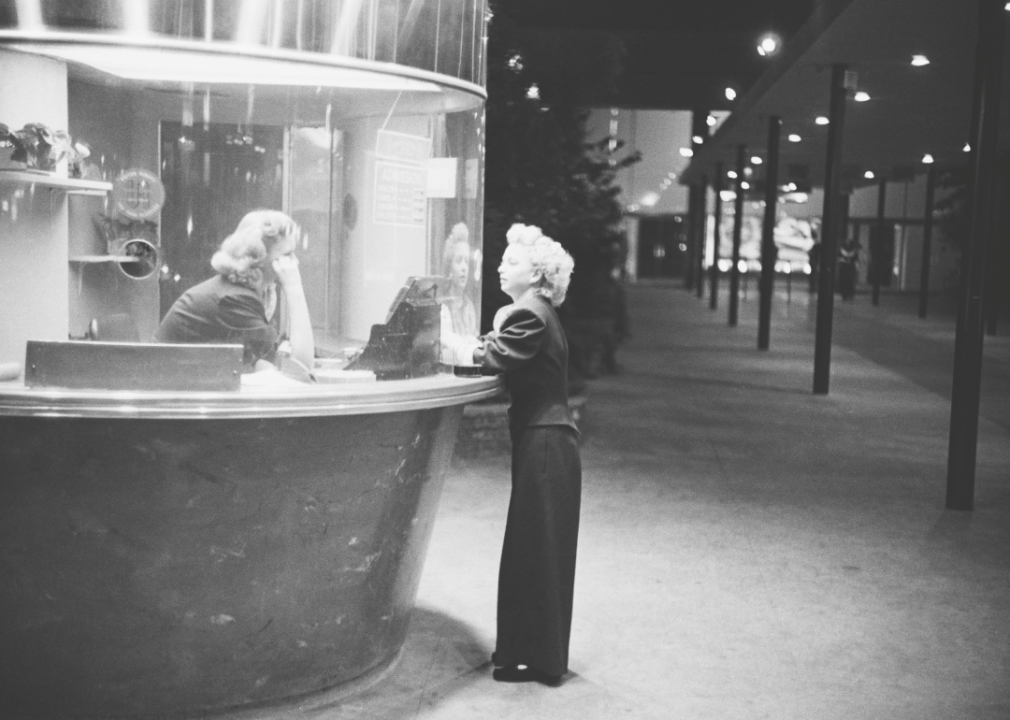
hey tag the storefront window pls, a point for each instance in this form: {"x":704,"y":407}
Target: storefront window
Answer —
{"x":380,"y":170}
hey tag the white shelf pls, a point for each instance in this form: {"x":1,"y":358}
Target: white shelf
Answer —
{"x":53,"y":182}
{"x":104,"y":258}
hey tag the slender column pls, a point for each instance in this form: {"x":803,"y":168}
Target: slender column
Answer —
{"x":968,"y":341}
{"x":877,"y":243}
{"x":713,"y":271}
{"x":768,"y":251}
{"x":927,"y":241}
{"x":692,"y":222}
{"x":699,"y":267}
{"x":696,"y":210}
{"x":996,"y":267}
{"x":829,"y":233}
{"x":734,"y":272}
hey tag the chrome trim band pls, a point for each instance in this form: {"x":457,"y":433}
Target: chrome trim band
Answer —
{"x":311,"y":401}
{"x":218,"y":47}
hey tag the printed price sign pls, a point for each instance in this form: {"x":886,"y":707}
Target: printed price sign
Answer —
{"x":400,"y":194}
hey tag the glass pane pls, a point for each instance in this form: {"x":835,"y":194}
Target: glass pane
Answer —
{"x":380,"y":174}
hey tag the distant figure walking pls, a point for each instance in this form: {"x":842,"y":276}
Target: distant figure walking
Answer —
{"x":848,"y":256}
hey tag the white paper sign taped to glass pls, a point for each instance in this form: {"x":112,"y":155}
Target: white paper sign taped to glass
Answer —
{"x":442,"y":177}
{"x":400,"y":194}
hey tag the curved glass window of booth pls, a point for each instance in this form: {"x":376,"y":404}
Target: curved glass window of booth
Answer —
{"x":442,"y":37}
{"x":379,"y":170}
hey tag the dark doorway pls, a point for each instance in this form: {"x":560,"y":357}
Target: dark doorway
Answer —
{"x":882,"y":245}
{"x":662,"y":243}
{"x":213,"y":176}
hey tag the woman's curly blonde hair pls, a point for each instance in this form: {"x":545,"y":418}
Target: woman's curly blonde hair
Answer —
{"x":245,"y":252}
{"x":548,"y":258}
{"x":459,"y":234}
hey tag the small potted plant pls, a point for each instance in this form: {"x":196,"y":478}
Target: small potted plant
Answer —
{"x":36,"y":147}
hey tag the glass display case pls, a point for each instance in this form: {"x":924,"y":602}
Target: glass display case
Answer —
{"x":163,"y":496}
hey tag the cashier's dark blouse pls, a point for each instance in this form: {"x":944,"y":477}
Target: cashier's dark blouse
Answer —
{"x":219,"y":311}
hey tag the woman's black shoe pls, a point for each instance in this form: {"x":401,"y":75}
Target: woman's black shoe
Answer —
{"x":515,"y":674}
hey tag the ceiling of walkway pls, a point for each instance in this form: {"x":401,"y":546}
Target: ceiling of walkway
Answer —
{"x":675,"y":54}
{"x":911,"y":111}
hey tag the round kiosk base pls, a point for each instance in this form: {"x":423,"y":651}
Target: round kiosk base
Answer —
{"x":182,"y":568}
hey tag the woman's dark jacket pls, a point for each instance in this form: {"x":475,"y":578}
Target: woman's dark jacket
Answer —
{"x":219,"y":311}
{"x":530,"y":348}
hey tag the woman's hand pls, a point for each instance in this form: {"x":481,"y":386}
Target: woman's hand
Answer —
{"x":288,"y":275}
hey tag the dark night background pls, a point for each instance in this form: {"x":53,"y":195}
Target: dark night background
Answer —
{"x":541,"y":167}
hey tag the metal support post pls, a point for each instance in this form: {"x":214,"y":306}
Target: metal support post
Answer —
{"x":877,"y":243}
{"x":713,"y":271}
{"x":768,"y":250}
{"x":829,"y":232}
{"x":700,"y":232}
{"x":964,"y":404}
{"x":692,"y":223}
{"x":996,"y":266}
{"x":927,"y":241}
{"x":696,"y":210}
{"x":734,"y":271}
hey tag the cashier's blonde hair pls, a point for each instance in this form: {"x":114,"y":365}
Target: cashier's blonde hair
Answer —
{"x":245,"y":253}
{"x":548,"y":258}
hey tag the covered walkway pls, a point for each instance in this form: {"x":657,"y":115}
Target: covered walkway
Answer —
{"x":748,"y":550}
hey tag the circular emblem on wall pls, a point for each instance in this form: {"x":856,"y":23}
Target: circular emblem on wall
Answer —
{"x":138,"y":194}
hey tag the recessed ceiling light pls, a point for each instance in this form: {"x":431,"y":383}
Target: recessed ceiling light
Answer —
{"x":711,"y":121}
{"x":756,"y":160}
{"x":745,"y":185}
{"x":920,"y":60}
{"x":794,"y":138}
{"x":862,"y":96}
{"x":821,"y":120}
{"x":534,"y":92}
{"x":697,"y":139}
{"x":769,"y":45}
{"x":686,"y":152}
{"x":967,"y":146}
{"x":869,"y":175}
{"x":731,"y":174}
{"x":730,"y":94}
{"x":927,"y":158}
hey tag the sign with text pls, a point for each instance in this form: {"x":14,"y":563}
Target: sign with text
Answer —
{"x":400,"y":146}
{"x":442,"y":177}
{"x":400,"y":194}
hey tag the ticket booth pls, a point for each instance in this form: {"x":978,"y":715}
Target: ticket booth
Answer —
{"x":179,"y":533}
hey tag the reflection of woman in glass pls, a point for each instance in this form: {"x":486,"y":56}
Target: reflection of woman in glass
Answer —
{"x":459,"y":314}
{"x":235,"y":306}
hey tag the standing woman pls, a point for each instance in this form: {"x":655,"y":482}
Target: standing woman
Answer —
{"x":537,"y":575}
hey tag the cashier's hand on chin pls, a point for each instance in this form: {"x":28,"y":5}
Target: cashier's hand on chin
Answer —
{"x":264,"y":366}
{"x":288,"y":275}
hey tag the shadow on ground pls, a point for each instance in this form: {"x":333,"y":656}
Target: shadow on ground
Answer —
{"x":441,"y":657}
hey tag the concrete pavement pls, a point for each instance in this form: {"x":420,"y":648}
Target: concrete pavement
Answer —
{"x":747,"y":550}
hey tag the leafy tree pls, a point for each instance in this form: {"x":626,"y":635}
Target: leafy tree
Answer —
{"x":540,"y":170}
